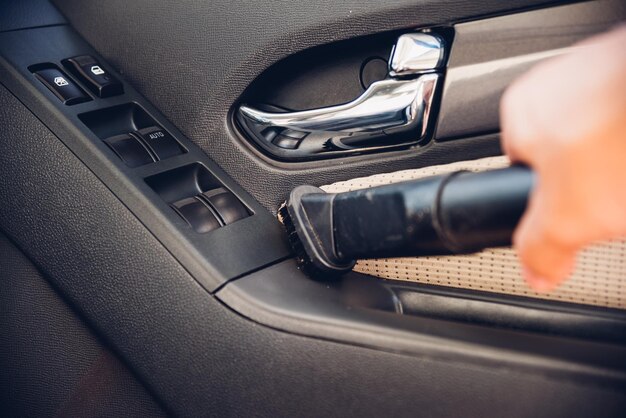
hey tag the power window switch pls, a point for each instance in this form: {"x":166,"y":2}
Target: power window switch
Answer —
{"x":162,"y":143}
{"x":227,"y":206}
{"x":99,"y":80}
{"x":129,"y":149}
{"x":65,"y":89}
{"x":197,"y":214}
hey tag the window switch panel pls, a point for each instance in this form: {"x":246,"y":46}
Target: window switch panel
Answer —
{"x":99,"y":80}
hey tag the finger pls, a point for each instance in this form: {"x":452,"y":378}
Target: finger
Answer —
{"x":546,"y":260}
{"x":516,"y":138}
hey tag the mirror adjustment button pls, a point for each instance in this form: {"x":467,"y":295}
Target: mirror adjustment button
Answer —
{"x":97,"y":78}
{"x":227,"y":206}
{"x":129,"y":150}
{"x":62,"y":87}
{"x":197,"y":214}
{"x":162,"y":143}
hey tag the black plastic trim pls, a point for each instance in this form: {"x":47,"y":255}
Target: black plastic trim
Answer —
{"x":402,"y":317}
{"x":212,"y":258}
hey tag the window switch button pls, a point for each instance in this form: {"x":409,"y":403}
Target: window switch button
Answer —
{"x":65,"y":89}
{"x":129,"y":150}
{"x":99,"y":80}
{"x":197,"y":214}
{"x":227,"y":206}
{"x":162,"y":143}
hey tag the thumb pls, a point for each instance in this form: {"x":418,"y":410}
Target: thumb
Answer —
{"x":546,"y":260}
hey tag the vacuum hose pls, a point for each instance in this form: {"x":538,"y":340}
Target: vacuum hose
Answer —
{"x":456,"y":213}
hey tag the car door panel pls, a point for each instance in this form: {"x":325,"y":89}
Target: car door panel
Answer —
{"x":221,"y":324}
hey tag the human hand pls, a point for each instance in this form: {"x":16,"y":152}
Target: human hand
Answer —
{"x":566,"y":118}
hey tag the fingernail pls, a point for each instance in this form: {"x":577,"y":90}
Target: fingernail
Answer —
{"x":538,"y":283}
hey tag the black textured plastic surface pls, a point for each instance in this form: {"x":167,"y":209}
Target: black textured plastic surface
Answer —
{"x":52,"y":364}
{"x":23,"y":14}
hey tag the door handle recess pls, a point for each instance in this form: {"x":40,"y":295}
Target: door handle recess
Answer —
{"x":390,"y":112}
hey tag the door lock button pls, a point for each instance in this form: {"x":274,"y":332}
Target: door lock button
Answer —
{"x":65,"y":89}
{"x":162,"y":143}
{"x":99,"y":80}
{"x":129,"y":150}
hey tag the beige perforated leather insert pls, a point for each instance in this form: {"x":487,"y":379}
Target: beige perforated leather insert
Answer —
{"x":599,"y":279}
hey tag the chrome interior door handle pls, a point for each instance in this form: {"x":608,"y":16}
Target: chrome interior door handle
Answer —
{"x":397,"y":105}
{"x":400,"y":104}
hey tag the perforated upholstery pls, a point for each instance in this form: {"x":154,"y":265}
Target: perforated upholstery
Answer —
{"x":599,"y":279}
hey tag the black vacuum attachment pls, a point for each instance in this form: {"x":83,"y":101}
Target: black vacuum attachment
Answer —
{"x":456,"y":213}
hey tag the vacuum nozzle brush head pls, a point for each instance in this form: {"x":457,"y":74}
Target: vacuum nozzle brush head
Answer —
{"x":308,"y":219}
